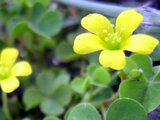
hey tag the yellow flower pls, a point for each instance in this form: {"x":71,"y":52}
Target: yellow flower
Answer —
{"x":10,"y":71}
{"x":113,"y":42}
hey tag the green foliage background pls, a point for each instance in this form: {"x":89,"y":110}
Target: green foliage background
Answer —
{"x":67,"y":86}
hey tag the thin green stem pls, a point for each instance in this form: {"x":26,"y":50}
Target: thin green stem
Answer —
{"x":90,"y":92}
{"x":103,"y":112}
{"x":99,"y":89}
{"x":108,"y":102}
{"x":5,"y":106}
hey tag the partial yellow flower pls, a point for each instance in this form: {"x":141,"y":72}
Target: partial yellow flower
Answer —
{"x":112,"y":42}
{"x":10,"y":71}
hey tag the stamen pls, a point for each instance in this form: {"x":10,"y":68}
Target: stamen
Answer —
{"x":112,"y":25}
{"x":116,"y":33}
{"x":119,"y":39}
{"x":109,"y":34}
{"x":105,"y":31}
{"x":122,"y":29}
{"x":106,"y":39}
{"x":113,"y":42}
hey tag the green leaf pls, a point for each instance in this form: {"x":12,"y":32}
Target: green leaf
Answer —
{"x":130,"y":64}
{"x":146,"y":93}
{"x":135,"y":74}
{"x":46,"y":82}
{"x":37,"y":12}
{"x":91,"y":69}
{"x":145,"y":63}
{"x":46,"y":25}
{"x":80,"y":85}
{"x":126,"y":109}
{"x":133,"y":89}
{"x":51,"y":118}
{"x":156,"y":73}
{"x":155,"y":55}
{"x":26,"y":119}
{"x":18,"y":2}
{"x":64,"y":52}
{"x":101,"y":77}
{"x":67,"y":113}
{"x":83,"y":111}
{"x":19,"y":29}
{"x":51,"y":107}
{"x":32,"y":97}
{"x":152,"y":97}
{"x":31,"y":3}
{"x":62,"y":95}
{"x":62,"y":78}
{"x":17,"y":26}
{"x":50,"y":23}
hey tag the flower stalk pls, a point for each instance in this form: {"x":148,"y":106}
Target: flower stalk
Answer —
{"x":5,"y":106}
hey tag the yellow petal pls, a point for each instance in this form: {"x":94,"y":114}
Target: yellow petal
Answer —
{"x":10,"y":84}
{"x":22,"y":68}
{"x":140,"y":43}
{"x":114,"y":59}
{"x":8,"y":56}
{"x":127,"y":22}
{"x":97,"y":24}
{"x":87,"y":42}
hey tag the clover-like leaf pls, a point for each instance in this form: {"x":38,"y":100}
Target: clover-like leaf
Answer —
{"x":62,"y":78}
{"x":101,"y":77}
{"x":126,"y":109}
{"x":83,"y":111}
{"x":91,"y":69}
{"x":37,"y":12}
{"x":43,"y":23}
{"x":50,"y":23}
{"x":51,"y":118}
{"x":130,"y":64}
{"x":80,"y":85}
{"x":145,"y":63}
{"x":46,"y":82}
{"x":62,"y":94}
{"x":155,"y":55}
{"x":32,"y":97}
{"x":147,"y":93}
{"x":17,"y":26}
{"x":51,"y":107}
{"x":31,"y":3}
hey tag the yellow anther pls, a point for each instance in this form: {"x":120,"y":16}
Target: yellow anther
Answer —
{"x":109,"y":34}
{"x":112,"y":25}
{"x":105,"y":31}
{"x":106,"y":39}
{"x":122,"y":29}
{"x":119,"y":39}
{"x":113,"y":42}
{"x":116,"y":33}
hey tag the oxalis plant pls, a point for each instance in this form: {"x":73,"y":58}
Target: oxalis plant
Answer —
{"x":63,"y":79}
{"x":139,"y":88}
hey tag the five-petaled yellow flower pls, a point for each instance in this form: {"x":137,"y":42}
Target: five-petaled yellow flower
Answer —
{"x":10,"y":71}
{"x":113,"y":42}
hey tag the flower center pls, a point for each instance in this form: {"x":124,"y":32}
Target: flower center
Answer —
{"x":4,"y":73}
{"x":114,"y":41}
